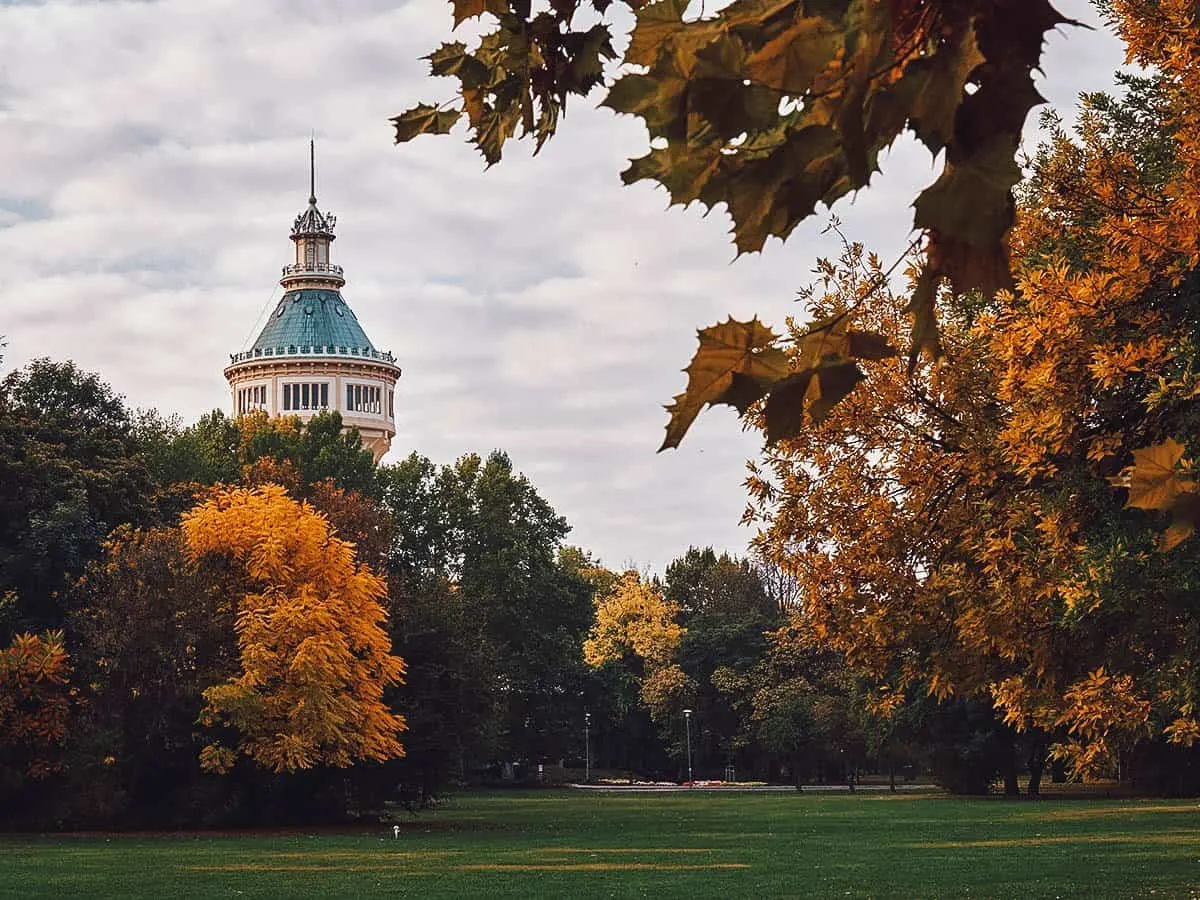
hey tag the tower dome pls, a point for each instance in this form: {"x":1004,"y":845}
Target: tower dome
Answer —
{"x":312,"y":355}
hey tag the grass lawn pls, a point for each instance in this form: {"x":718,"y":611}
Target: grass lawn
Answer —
{"x":729,"y":846}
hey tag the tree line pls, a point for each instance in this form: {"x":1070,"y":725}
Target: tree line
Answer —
{"x":246,"y":620}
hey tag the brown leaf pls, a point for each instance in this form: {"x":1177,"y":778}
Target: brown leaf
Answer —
{"x":944,"y":76}
{"x":793,"y":59}
{"x":1154,"y":477}
{"x":869,"y":345}
{"x":424,"y":119}
{"x":469,"y":9}
{"x":925,"y":337}
{"x":972,"y":200}
{"x":807,"y":397}
{"x":656,"y":23}
{"x":742,"y":348}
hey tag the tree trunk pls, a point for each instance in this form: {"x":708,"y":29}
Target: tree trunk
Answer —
{"x":1011,"y":788}
{"x":891,"y":776}
{"x":1037,"y":765}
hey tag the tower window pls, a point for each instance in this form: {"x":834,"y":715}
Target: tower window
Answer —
{"x":305,"y":395}
{"x":364,"y":398}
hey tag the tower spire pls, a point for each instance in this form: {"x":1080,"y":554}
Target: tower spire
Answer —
{"x":312,"y":169}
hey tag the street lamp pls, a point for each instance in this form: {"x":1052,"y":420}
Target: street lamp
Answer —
{"x":687,"y":719}
{"x":587,"y":748}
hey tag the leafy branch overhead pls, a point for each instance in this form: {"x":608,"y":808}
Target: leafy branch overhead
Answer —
{"x":772,"y":107}
{"x":739,"y":363}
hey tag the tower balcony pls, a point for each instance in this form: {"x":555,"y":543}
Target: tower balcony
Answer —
{"x":300,"y":269}
{"x":312,"y":350}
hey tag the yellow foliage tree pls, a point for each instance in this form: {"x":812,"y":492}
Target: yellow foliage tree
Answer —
{"x":315,"y":658}
{"x":34,"y":670}
{"x":636,"y":624}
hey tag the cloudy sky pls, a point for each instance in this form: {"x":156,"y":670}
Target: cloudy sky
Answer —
{"x":153,"y":155}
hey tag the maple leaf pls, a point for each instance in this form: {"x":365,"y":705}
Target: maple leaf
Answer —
{"x":470,"y":9}
{"x":746,"y":349}
{"x":937,"y":83}
{"x":453,"y":59}
{"x":807,"y":397}
{"x":656,"y":24}
{"x":790,"y":61}
{"x":424,"y":119}
{"x":925,"y":338}
{"x":1154,"y":478}
{"x":972,"y":200}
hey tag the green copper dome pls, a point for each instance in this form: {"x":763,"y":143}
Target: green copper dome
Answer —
{"x":314,"y":318}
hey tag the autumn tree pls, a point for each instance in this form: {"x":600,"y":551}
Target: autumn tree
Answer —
{"x":632,"y":645}
{"x":771,"y":108}
{"x":34,"y":706}
{"x":959,"y":516}
{"x":314,"y":655}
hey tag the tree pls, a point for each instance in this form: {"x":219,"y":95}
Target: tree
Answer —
{"x":69,"y":473}
{"x":955,"y":527}
{"x":483,"y":528}
{"x":632,"y":649}
{"x":454,"y":714}
{"x":772,"y":108}
{"x":152,"y":631}
{"x":315,"y":658}
{"x":34,"y":704}
{"x":727,"y":615}
{"x":256,"y":448}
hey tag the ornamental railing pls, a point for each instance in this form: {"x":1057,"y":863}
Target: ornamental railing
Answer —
{"x":330,"y":350}
{"x":312,"y":269}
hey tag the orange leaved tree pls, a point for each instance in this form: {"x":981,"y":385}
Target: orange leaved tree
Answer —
{"x":33,"y":705}
{"x":315,"y":657}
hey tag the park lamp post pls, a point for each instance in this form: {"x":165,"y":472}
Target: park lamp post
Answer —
{"x":587,"y":748}
{"x":687,"y":720}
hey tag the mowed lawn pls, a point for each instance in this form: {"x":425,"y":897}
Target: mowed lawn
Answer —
{"x":729,"y":846}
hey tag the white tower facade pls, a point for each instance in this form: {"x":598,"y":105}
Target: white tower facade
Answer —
{"x":313,"y":356}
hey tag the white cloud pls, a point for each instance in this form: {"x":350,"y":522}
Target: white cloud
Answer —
{"x":157,"y":152}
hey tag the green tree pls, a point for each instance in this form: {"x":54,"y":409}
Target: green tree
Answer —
{"x":726,"y":613}
{"x":483,"y":528}
{"x":69,"y":473}
{"x":152,"y":632}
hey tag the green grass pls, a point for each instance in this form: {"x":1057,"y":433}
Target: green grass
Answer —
{"x":728,"y":846}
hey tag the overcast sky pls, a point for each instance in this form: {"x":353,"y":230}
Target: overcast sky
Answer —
{"x":153,"y":155}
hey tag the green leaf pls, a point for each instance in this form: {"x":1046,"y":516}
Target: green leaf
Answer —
{"x":424,"y":119}
{"x":770,"y":195}
{"x":660,"y":101}
{"x":744,"y":349}
{"x":683,"y":170}
{"x":718,"y":91}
